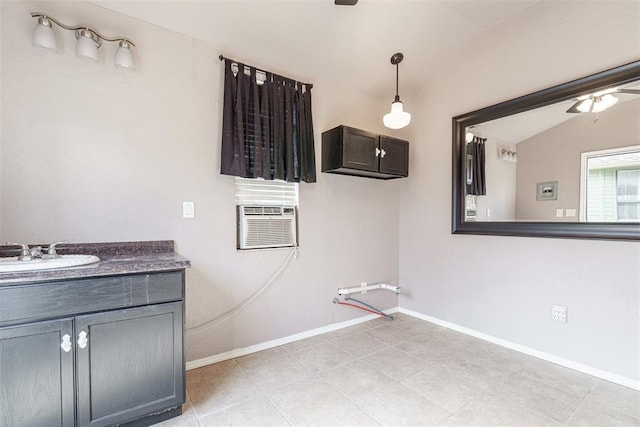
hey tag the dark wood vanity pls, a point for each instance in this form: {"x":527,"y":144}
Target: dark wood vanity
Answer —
{"x":94,"y":348}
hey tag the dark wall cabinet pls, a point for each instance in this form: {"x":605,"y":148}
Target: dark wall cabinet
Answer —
{"x":350,"y":151}
{"x":126,"y":361}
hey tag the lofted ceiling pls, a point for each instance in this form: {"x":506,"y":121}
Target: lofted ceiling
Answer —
{"x":315,"y":40}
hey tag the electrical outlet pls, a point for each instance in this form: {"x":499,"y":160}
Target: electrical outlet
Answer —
{"x":363,"y":284}
{"x":188,"y":210}
{"x":559,"y":313}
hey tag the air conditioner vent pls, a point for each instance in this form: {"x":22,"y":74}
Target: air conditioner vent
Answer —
{"x":266,"y":227}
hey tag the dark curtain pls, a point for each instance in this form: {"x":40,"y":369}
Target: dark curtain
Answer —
{"x":267,"y":129}
{"x":476,"y":179}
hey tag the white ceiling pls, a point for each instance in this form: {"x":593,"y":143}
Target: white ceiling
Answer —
{"x":314,"y":40}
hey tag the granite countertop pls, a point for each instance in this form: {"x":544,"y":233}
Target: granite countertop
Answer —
{"x":115,"y":259}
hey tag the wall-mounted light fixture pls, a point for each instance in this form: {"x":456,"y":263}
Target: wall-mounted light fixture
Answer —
{"x":397,"y":118}
{"x":89,"y":40}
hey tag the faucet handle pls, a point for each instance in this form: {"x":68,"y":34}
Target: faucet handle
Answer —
{"x":52,"y":247}
{"x":26,"y":252}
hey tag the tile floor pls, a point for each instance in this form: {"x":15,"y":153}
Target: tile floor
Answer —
{"x":405,"y":372}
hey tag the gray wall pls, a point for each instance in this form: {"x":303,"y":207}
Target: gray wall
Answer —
{"x":554,"y":155}
{"x":507,"y":285}
{"x":92,"y":153}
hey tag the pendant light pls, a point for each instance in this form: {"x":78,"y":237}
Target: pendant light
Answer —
{"x":397,"y":118}
{"x":43,"y":35}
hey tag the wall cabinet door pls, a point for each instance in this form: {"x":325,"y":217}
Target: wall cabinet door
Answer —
{"x":36,"y":374}
{"x":129,"y":363}
{"x":359,"y":150}
{"x":394,"y":156}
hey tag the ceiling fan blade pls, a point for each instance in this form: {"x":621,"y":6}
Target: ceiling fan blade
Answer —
{"x":632,"y":91}
{"x":574,"y":108}
{"x":345,"y":2}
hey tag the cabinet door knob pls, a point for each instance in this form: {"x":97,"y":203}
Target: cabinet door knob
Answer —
{"x":378,"y":152}
{"x":82,"y":339}
{"x":66,"y":343}
{"x":384,"y":153}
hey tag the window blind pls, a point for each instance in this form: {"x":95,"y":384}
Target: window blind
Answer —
{"x":259,"y":192}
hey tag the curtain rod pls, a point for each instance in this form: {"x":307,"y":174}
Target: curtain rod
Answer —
{"x":222,"y":58}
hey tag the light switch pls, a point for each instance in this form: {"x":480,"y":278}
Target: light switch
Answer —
{"x":570,"y":212}
{"x":188,"y":210}
{"x":559,"y":213}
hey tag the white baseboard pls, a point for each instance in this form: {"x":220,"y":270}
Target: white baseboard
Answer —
{"x":281,"y":341}
{"x":605,"y":375}
{"x":608,"y":376}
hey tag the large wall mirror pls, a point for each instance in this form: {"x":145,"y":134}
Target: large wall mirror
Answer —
{"x":561,"y":162}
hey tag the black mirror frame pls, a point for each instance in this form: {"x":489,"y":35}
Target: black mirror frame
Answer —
{"x":578,"y":230}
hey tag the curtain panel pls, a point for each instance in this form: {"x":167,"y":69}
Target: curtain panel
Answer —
{"x":476,"y":181}
{"x":267,"y":127}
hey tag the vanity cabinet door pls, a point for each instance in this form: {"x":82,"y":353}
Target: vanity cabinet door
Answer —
{"x":130,"y":363}
{"x":36,"y":374}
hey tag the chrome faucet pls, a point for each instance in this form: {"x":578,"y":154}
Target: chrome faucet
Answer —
{"x":51,"y":251}
{"x":26,"y":253}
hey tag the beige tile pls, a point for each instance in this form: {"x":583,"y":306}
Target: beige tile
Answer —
{"x":482,"y":370}
{"x":277,"y":371}
{"x":355,"y":329}
{"x":390,"y":335}
{"x":216,"y":386}
{"x":396,"y":405}
{"x":616,"y":397}
{"x":554,"y":403}
{"x":559,"y":376}
{"x":595,"y":415}
{"x":431,"y":348}
{"x":353,"y":417}
{"x":446,"y":386}
{"x":305,"y":343}
{"x":322,"y":356}
{"x":415,"y":325}
{"x":394,"y":363}
{"x":260,"y":356}
{"x":359,"y":345}
{"x":354,"y":378}
{"x":490,"y":409}
{"x":309,"y":401}
{"x":257,"y":411}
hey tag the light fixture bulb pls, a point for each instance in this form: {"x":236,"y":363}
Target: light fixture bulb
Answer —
{"x":124,"y":57}
{"x":601,"y":103}
{"x":469,"y":137}
{"x":397,"y":118}
{"x":87,"y":47}
{"x":43,"y":35}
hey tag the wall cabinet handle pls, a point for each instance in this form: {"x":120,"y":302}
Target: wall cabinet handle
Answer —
{"x":377,"y":152}
{"x":66,"y":343}
{"x":384,"y":153}
{"x":82,"y":339}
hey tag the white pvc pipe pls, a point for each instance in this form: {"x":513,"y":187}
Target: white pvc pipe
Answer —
{"x":355,"y":290}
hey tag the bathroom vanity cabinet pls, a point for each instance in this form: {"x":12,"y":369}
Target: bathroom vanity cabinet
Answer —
{"x":96,"y":351}
{"x":351,"y":151}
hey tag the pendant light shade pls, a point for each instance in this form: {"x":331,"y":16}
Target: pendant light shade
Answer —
{"x":124,"y":58}
{"x":43,"y":35}
{"x":397,"y":118}
{"x":87,"y":47}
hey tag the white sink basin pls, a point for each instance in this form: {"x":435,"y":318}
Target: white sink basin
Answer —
{"x":11,"y":264}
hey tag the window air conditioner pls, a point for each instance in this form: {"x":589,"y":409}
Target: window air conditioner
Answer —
{"x":267,"y":227}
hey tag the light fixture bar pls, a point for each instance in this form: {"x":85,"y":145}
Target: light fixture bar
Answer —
{"x":100,"y":37}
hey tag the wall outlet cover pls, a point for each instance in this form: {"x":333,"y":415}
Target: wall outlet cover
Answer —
{"x":559,"y":313}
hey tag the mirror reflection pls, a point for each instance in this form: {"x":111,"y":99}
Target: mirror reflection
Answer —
{"x":577,"y":160}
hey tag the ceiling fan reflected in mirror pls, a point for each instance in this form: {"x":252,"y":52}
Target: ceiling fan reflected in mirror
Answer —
{"x":345,"y":2}
{"x":599,"y":101}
